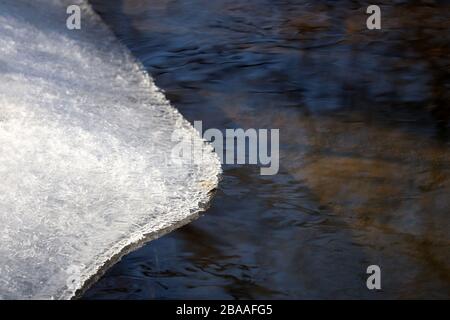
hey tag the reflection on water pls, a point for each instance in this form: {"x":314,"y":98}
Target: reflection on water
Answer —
{"x":365,"y":157}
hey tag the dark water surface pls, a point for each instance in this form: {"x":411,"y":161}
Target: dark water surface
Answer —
{"x":365,"y":153}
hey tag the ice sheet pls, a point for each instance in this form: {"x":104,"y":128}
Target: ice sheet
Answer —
{"x":85,"y":145}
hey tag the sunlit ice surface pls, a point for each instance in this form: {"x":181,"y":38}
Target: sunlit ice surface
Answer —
{"x":85,"y":145}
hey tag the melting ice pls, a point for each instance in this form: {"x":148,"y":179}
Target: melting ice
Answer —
{"x":85,"y":138}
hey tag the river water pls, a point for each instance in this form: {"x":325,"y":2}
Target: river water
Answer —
{"x":364,"y":158}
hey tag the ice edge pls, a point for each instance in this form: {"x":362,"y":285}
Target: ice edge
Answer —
{"x":145,"y":234}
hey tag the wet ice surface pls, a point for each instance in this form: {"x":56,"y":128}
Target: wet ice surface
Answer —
{"x":365,"y":167}
{"x":85,"y":145}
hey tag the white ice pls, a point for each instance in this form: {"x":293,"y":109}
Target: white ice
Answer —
{"x":85,"y":144}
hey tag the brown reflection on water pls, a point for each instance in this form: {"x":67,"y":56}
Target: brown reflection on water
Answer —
{"x":388,"y":189}
{"x":365,"y":159}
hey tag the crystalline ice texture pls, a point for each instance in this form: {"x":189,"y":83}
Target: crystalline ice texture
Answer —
{"x":85,"y":146}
